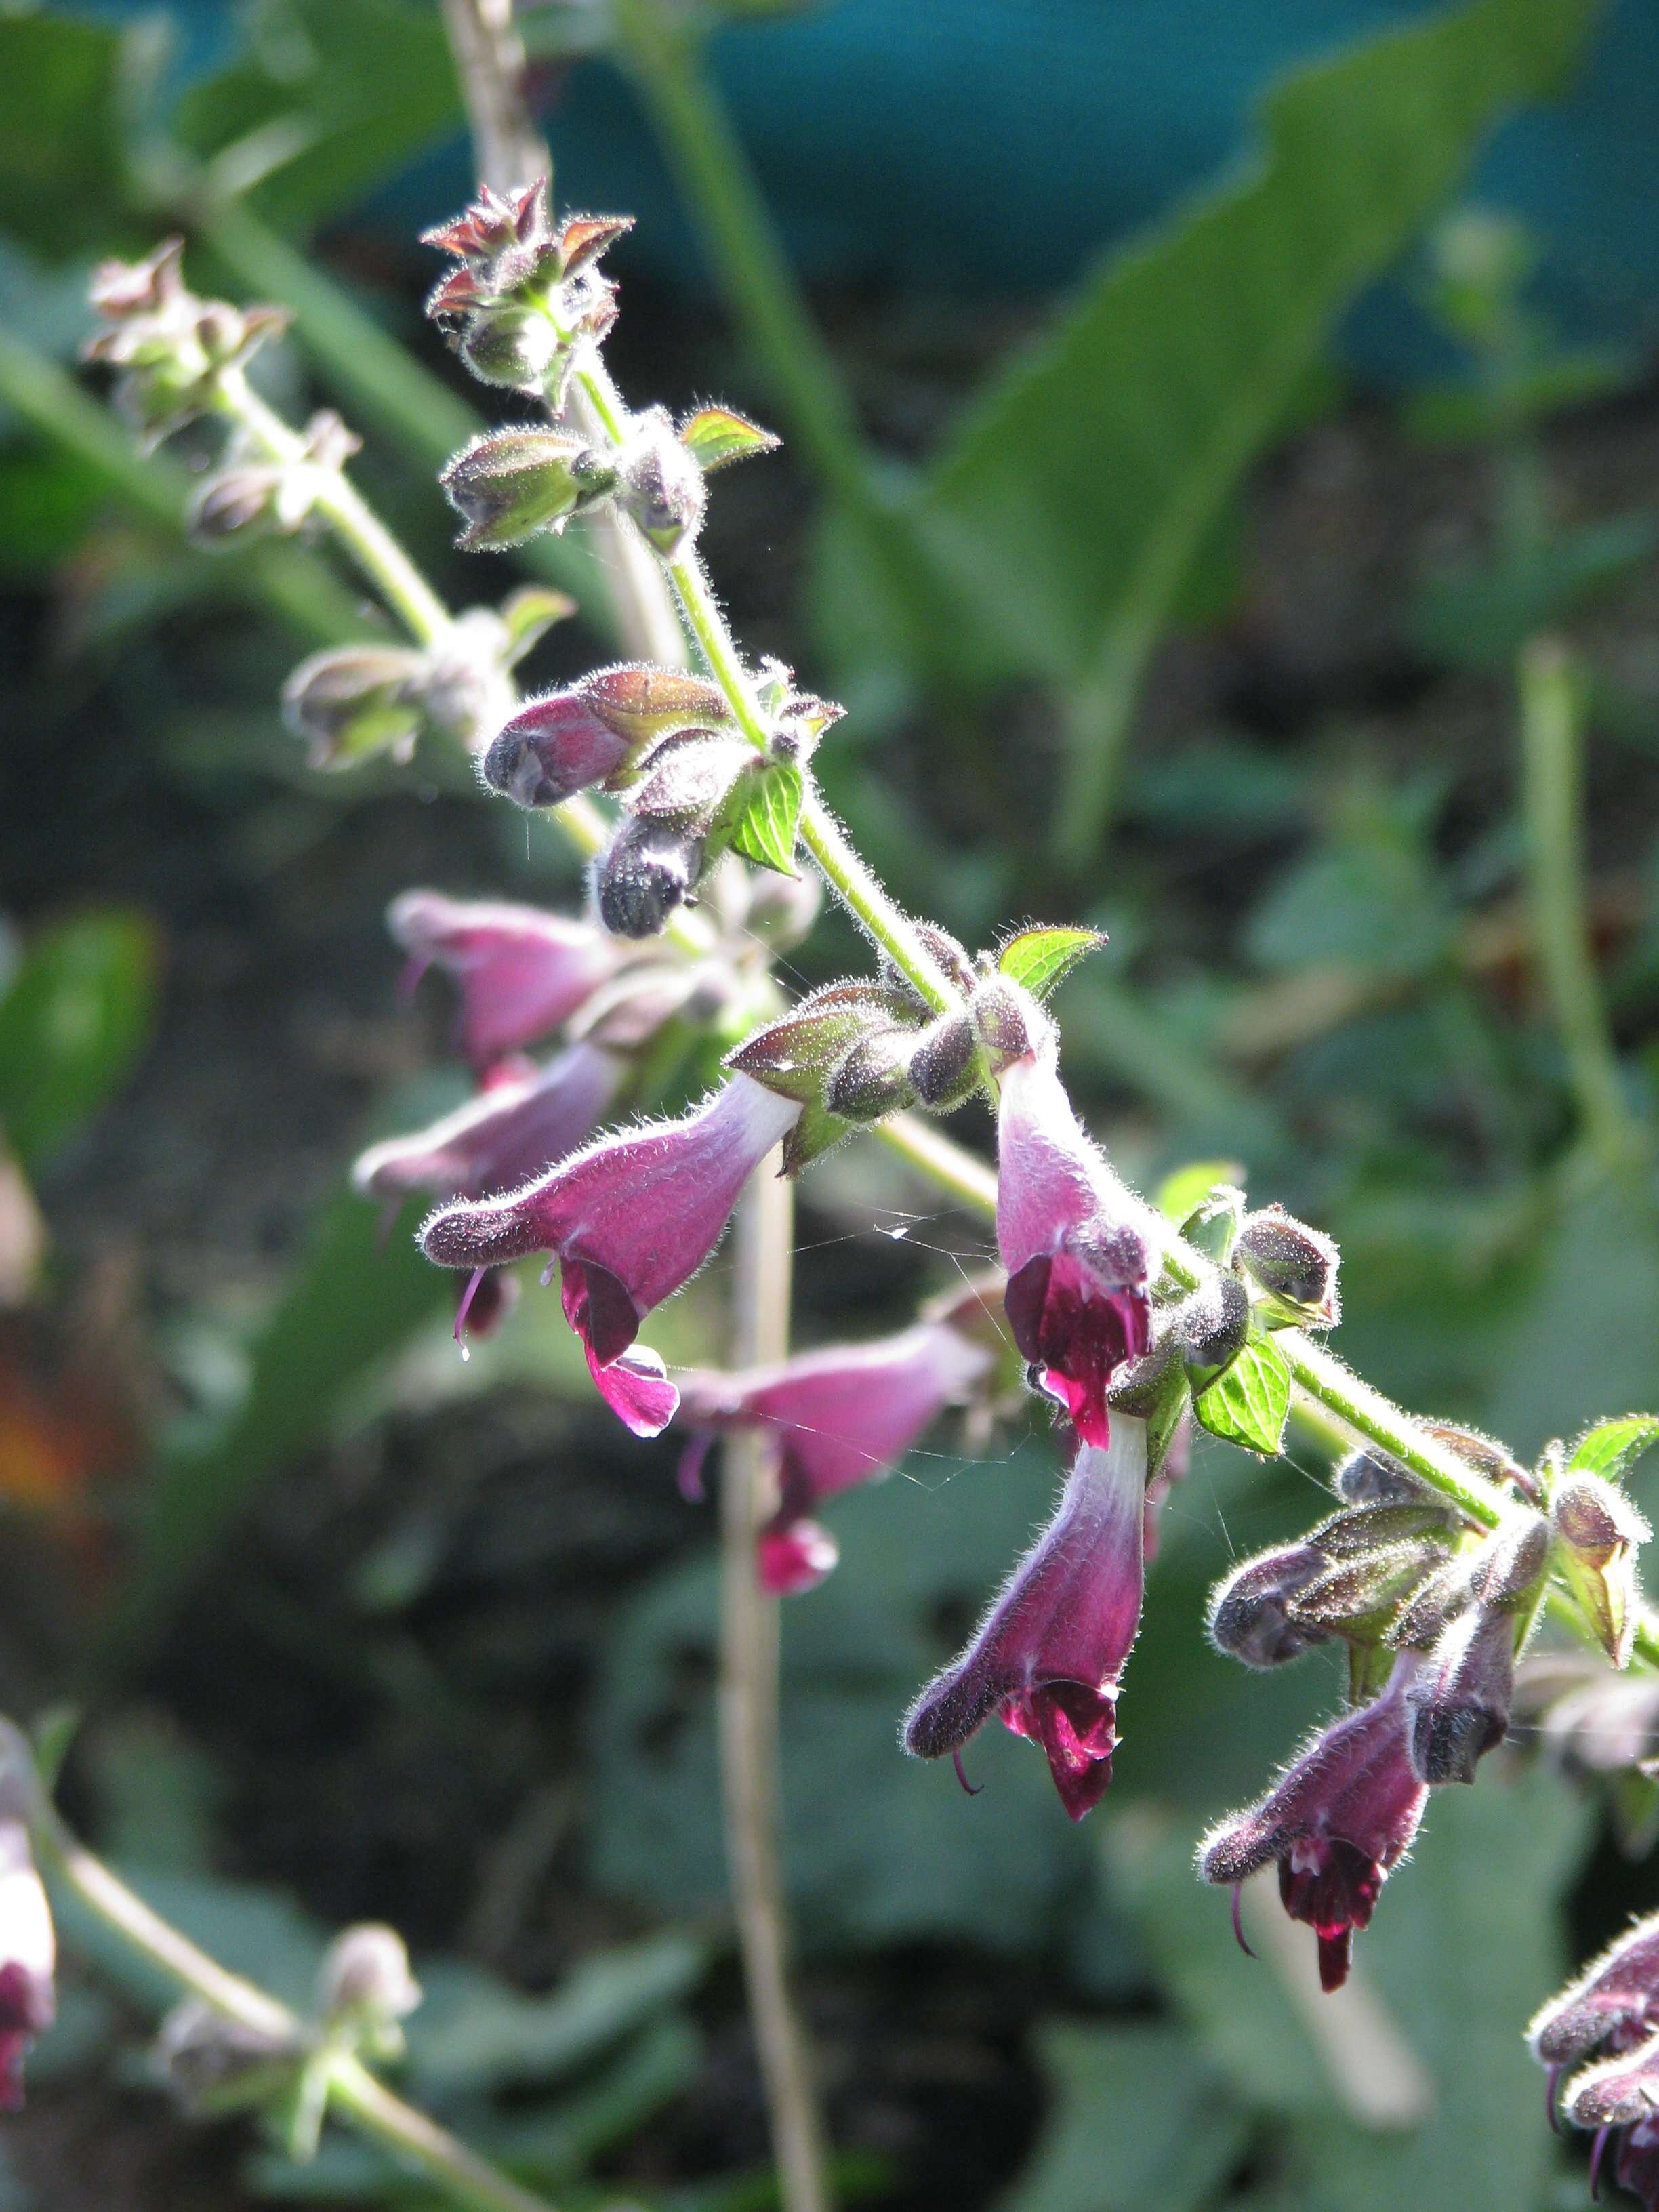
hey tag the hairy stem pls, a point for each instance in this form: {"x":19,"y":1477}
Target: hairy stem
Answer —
{"x":1553,"y":775}
{"x":354,"y":2095}
{"x":748,"y":1706}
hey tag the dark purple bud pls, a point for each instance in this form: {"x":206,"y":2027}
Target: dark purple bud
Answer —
{"x":659,"y":485}
{"x":1359,"y":1596}
{"x":1511,"y":1564}
{"x":1484,"y":1454}
{"x":649,"y":871}
{"x":553,"y":746}
{"x":873,"y":1080}
{"x":1048,"y":1656}
{"x":1294,"y":1268}
{"x":1367,"y":1529}
{"x":1369,"y":1477}
{"x":1008,"y":1022}
{"x":214,"y":2065}
{"x":232,"y":504}
{"x":1341,"y":1815}
{"x":1613,"y":2004}
{"x":1459,"y":1702}
{"x":689,"y":778}
{"x":948,"y":953}
{"x":944,"y":1067}
{"x":1211,"y":1324}
{"x":509,"y":484}
{"x":1250,"y":1619}
{"x":796,"y":1056}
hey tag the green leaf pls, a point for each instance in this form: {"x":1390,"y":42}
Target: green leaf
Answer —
{"x":1040,"y":960}
{"x":714,"y":435}
{"x":1136,"y":2116}
{"x":335,"y":96}
{"x":1183,"y":1190}
{"x":1612,"y":1447}
{"x":1249,"y":1401}
{"x":1071,"y":506}
{"x":62,"y":181}
{"x":76,"y":1019}
{"x":1480,"y":618}
{"x":356,"y":1298}
{"x":769,"y":801}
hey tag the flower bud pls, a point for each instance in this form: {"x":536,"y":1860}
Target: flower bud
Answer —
{"x":350,"y":702}
{"x":1293,"y":1266}
{"x":1358,"y":1596}
{"x":553,"y":746}
{"x":649,"y":871}
{"x":510,"y":345}
{"x":1211,"y":1323}
{"x":873,"y":1080}
{"x":688,"y":779}
{"x":1249,"y":1618}
{"x":944,"y":1063}
{"x":1597,"y":1531}
{"x":233,"y":503}
{"x":214,"y":2065}
{"x":364,"y":1984}
{"x":1376,"y":1527}
{"x":659,"y":485}
{"x":1369,"y":1477}
{"x":1458,"y":1704}
{"x":508,"y":484}
{"x":1007,"y":1021}
{"x":641,"y":703}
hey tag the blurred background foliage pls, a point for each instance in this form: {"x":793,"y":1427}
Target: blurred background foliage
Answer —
{"x":1192,"y":416}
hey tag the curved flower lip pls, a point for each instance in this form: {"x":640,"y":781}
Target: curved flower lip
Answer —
{"x":521,"y":972}
{"x":1612,"y":2005}
{"x":511,"y":1131}
{"x":843,"y":1415}
{"x":1619,"y":2092}
{"x":630,"y":1219}
{"x":1076,"y":1300}
{"x":1341,"y":1815}
{"x":1047,"y":1655}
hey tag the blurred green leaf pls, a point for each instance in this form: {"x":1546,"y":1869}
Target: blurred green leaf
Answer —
{"x":1470,"y":414}
{"x":78,"y":1016}
{"x":1369,"y":899}
{"x":1137,"y":2119}
{"x":63,"y":164}
{"x":1181,"y":1193}
{"x":1040,"y":960}
{"x":357,"y":1296}
{"x":1249,"y":1401}
{"x":336,"y":95}
{"x":1610,"y":1449}
{"x":1480,"y":618}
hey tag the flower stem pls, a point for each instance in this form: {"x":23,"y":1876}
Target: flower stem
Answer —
{"x":354,"y":522}
{"x":748,"y":1706}
{"x":415,"y":2140}
{"x":1553,"y":775}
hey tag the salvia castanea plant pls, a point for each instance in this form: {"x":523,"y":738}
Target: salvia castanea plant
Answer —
{"x":690,"y":788}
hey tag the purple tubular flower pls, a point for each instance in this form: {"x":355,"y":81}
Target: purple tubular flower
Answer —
{"x":1076,"y":1299}
{"x":843,"y":1415}
{"x":1341,"y":1816}
{"x":1613,"y":2005}
{"x":1047,"y":1657}
{"x":521,"y":972}
{"x":630,"y":1219}
{"x":553,"y":746}
{"x":510,"y":1132}
{"x":28,"y":1958}
{"x":1621,"y":2097}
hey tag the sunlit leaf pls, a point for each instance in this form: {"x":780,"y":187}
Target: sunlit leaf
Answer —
{"x":769,"y":801}
{"x":1040,"y":960}
{"x":1249,"y":1401}
{"x":1610,"y":1449}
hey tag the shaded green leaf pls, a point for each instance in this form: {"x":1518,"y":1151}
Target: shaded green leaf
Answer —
{"x":1137,"y":2116}
{"x":714,"y":435}
{"x":768,"y":804}
{"x":1249,"y":1401}
{"x":78,"y":1016}
{"x":62,"y":157}
{"x":1040,"y":960}
{"x":1478,"y":618}
{"x":1612,"y":1447}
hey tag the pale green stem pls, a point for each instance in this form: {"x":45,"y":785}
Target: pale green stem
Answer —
{"x":354,"y":522}
{"x":747,"y":1704}
{"x":354,"y":2095}
{"x":1552,"y":776}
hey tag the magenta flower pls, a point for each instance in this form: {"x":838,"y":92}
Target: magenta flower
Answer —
{"x":630,"y":1219}
{"x":1612,"y":2006}
{"x":521,"y":972}
{"x":1620,"y":2098}
{"x":28,"y":1958}
{"x":1076,"y":1299}
{"x":1341,"y":1815}
{"x":1047,"y":1657}
{"x":844,"y":1415}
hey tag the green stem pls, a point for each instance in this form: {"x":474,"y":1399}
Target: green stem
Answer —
{"x":1553,"y":774}
{"x":415,"y":2140}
